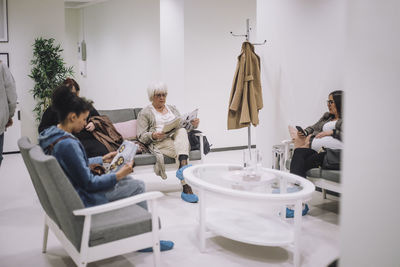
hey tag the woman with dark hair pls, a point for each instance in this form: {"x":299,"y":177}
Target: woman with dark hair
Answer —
{"x":309,"y":143}
{"x":59,"y":141}
{"x":93,"y":147}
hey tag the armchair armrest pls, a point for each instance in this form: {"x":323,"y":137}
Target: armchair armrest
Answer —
{"x":200,"y":135}
{"x":122,"y":203}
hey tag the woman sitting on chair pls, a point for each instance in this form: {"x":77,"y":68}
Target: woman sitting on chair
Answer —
{"x":60,"y":142}
{"x":325,"y":133}
{"x":150,"y":123}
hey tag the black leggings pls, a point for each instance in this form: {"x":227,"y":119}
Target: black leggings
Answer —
{"x":305,"y":159}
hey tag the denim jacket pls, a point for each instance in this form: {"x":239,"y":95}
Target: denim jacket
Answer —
{"x":72,"y":158}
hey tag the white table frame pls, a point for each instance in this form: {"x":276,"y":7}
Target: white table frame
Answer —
{"x":283,"y":199}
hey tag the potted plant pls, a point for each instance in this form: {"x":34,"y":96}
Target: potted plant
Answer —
{"x":49,"y":70}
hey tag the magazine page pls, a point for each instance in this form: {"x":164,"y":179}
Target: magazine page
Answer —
{"x":171,"y":126}
{"x":125,"y":153}
{"x":187,"y":118}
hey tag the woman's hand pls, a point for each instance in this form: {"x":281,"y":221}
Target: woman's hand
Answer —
{"x":195,"y":122}
{"x":157,"y":135}
{"x":90,"y":127}
{"x":323,"y":134}
{"x":300,"y":134}
{"x":125,"y":170}
{"x":107,"y":158}
{"x":9,"y":123}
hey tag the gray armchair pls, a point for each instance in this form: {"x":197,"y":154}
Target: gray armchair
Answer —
{"x":89,"y":234}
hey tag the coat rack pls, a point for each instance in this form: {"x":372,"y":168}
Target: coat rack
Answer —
{"x":247,"y":35}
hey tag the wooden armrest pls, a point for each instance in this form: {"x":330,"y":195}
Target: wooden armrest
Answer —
{"x":122,"y":203}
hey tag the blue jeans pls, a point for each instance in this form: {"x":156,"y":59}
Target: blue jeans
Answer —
{"x":1,"y":147}
{"x":127,"y":187}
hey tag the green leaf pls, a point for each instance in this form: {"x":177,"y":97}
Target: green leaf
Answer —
{"x":48,"y":71}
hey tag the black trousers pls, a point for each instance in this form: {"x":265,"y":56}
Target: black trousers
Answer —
{"x":304,"y":159}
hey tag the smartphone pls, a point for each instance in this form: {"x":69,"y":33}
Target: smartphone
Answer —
{"x":301,"y":130}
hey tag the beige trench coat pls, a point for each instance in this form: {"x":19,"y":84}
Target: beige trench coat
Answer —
{"x":246,"y":95}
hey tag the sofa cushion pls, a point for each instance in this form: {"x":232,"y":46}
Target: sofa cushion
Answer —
{"x":127,"y":129}
{"x":120,"y":115}
{"x":148,"y":159}
{"x":330,"y":175}
{"x":118,"y":224}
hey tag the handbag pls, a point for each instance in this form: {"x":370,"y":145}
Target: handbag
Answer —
{"x":195,"y":142}
{"x":331,"y":159}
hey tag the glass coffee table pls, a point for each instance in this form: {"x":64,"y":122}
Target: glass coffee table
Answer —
{"x":259,"y":189}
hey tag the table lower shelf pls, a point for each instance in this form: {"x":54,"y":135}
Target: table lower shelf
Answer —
{"x":249,"y":227}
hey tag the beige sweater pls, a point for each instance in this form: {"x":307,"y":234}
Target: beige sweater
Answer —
{"x":146,"y":125}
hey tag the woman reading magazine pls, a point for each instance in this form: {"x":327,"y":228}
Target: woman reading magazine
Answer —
{"x":58,"y":141}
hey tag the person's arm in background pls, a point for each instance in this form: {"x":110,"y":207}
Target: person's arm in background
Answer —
{"x":317,"y":127}
{"x":11,"y":92}
{"x":337,"y":132}
{"x":90,"y":126}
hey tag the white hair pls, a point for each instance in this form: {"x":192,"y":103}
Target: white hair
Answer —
{"x":156,"y":88}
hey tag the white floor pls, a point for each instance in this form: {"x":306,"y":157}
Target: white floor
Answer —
{"x":21,"y":228}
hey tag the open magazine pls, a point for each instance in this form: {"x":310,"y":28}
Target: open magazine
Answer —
{"x":125,"y":153}
{"x":187,"y":118}
{"x":180,"y":122}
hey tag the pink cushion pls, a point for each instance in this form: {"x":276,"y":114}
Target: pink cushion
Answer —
{"x":127,"y":129}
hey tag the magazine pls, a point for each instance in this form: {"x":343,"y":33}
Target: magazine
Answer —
{"x":125,"y":153}
{"x":180,"y":122}
{"x":171,"y":126}
{"x":187,"y":118}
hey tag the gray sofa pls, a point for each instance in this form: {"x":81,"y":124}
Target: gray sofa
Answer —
{"x":144,"y":163}
{"x":126,"y":114}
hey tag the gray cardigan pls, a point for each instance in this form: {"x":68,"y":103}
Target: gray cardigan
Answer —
{"x":317,"y":127}
{"x":8,"y":96}
{"x":146,"y":125}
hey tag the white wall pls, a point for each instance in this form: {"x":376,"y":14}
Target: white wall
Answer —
{"x":72,"y":37}
{"x":172,"y":50}
{"x":370,"y":202}
{"x":184,"y":43}
{"x":210,"y":62}
{"x":301,"y":63}
{"x":123,"y":52}
{"x":28,"y":20}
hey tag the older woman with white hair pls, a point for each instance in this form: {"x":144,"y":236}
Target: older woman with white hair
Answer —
{"x":150,"y":123}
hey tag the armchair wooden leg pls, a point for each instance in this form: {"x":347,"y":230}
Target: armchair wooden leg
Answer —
{"x":45,"y":236}
{"x":324,"y":193}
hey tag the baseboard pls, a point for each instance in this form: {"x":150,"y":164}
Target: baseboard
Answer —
{"x":229,"y":148}
{"x":11,"y":152}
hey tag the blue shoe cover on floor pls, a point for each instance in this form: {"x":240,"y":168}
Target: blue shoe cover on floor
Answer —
{"x":288,"y":190}
{"x":191,"y":198}
{"x":290,"y":212}
{"x":164,"y":245}
{"x":179,"y":172}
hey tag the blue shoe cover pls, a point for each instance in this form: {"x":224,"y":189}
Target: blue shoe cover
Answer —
{"x":290,"y":212}
{"x":288,"y":190}
{"x":179,"y":172}
{"x":191,"y":198}
{"x":164,"y":245}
